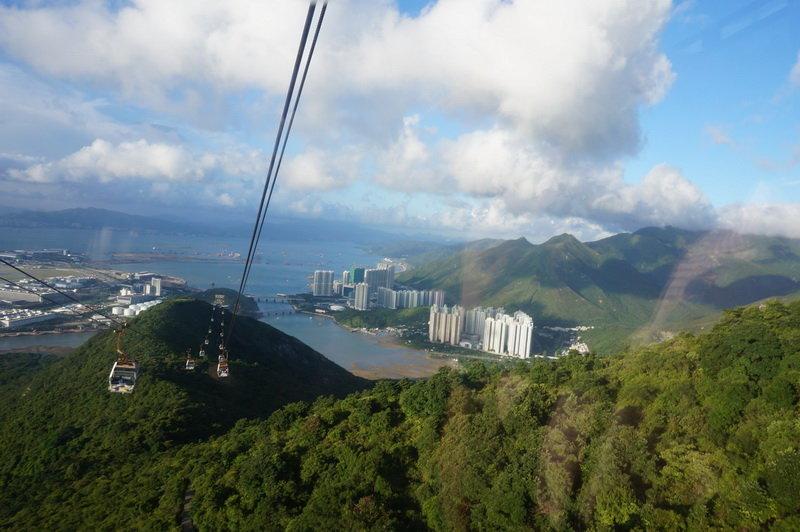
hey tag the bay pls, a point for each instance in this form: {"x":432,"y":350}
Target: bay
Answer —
{"x":20,"y":343}
{"x":364,"y":354}
{"x":284,"y":267}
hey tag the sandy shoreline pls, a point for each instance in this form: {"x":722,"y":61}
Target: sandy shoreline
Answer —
{"x":426,"y":366}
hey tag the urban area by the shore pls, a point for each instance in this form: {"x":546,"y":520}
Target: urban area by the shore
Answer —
{"x":370,"y":300}
{"x":361,"y":299}
{"x":28,"y":307}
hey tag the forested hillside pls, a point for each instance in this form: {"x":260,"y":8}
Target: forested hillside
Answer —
{"x":72,"y":455}
{"x":699,"y":432}
{"x":636,"y":286}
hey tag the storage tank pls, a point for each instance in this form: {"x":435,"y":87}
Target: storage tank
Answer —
{"x":129,"y":313}
{"x":117,"y":311}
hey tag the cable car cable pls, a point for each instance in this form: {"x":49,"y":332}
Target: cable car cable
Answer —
{"x":286,"y":135}
{"x":290,"y":91}
{"x":261,"y":217}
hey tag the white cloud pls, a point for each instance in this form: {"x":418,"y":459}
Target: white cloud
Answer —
{"x":570,"y":73}
{"x":664,"y":196}
{"x":498,"y":164}
{"x":544,"y":97}
{"x":718,"y":135}
{"x":776,"y":219}
{"x":226,"y":200}
{"x":314,"y":169}
{"x":105,"y":162}
{"x":794,"y":75}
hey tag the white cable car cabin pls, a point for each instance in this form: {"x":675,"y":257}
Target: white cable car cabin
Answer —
{"x":124,"y":372}
{"x":222,"y":368}
{"x":190,"y":362}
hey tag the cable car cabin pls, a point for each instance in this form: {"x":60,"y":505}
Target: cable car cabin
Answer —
{"x":205,"y":342}
{"x":190,"y":364}
{"x":221,"y":357}
{"x":202,"y":353}
{"x":122,"y":378}
{"x":222,"y":368}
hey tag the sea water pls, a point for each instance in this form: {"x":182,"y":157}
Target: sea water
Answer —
{"x":283,"y":267}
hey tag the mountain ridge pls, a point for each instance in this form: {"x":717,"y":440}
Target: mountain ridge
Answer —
{"x":638,"y":285}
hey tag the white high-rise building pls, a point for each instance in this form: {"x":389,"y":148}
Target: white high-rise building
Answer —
{"x":445,"y":325}
{"x":389,"y":268}
{"x":509,"y":335}
{"x":361,"y":297}
{"x":437,"y":297}
{"x":346,"y":277}
{"x":155,"y":282}
{"x":323,"y":283}
{"x":387,"y":298}
{"x":375,"y":278}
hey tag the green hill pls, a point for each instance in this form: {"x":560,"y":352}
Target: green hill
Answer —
{"x":73,"y":455}
{"x":632,"y":285}
{"x":698,"y":433}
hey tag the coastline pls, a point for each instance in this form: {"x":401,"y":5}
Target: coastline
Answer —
{"x":425,"y":367}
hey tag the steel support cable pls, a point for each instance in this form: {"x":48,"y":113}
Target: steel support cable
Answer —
{"x":290,"y":91}
{"x":261,"y":209}
{"x":54,"y":289}
{"x":288,"y":130}
{"x":77,"y":313}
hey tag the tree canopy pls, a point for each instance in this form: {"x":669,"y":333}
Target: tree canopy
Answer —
{"x":695,"y":433}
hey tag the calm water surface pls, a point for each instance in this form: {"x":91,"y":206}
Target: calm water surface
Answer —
{"x":45,"y":340}
{"x":351,"y":350}
{"x":284,"y":267}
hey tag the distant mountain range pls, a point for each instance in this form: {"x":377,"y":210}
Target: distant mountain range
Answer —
{"x":632,"y":286}
{"x":276,"y":228}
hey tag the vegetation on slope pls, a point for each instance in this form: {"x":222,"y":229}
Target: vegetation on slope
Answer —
{"x":380,"y":318}
{"x":699,"y":432}
{"x":247,"y":305}
{"x":645,"y":283}
{"x":73,"y":455}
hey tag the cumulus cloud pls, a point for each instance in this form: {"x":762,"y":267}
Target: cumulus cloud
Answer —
{"x":568,"y":72}
{"x":794,"y":75}
{"x":543,"y":99}
{"x":500,"y":165}
{"x":315,"y":169}
{"x":104,"y":161}
{"x":776,"y":219}
{"x":718,"y":135}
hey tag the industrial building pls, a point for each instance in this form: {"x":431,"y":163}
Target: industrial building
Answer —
{"x":14,"y":319}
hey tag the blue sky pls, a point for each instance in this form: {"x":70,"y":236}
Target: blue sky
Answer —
{"x":474,"y":118}
{"x":738,"y":84}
